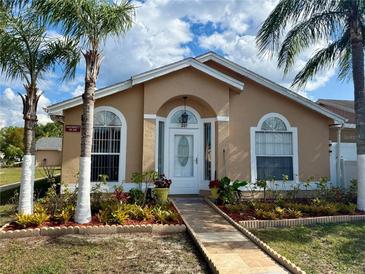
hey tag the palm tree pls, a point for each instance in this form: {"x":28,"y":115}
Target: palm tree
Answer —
{"x":88,"y":22}
{"x":26,"y":54}
{"x":295,"y":25}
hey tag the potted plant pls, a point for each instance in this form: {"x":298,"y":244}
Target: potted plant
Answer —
{"x":162,"y":187}
{"x":214,"y":186}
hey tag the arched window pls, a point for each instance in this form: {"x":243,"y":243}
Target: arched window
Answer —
{"x":274,"y":154}
{"x":176,"y":117}
{"x":108,"y":143}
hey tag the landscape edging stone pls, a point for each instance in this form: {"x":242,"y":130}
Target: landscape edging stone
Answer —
{"x":271,"y":252}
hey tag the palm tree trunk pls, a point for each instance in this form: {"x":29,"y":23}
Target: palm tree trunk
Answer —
{"x":83,"y":208}
{"x":359,"y":90}
{"x":30,"y":102}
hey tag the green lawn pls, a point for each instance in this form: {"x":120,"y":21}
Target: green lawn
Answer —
{"x":123,"y":253}
{"x":332,"y":248}
{"x":12,"y":174}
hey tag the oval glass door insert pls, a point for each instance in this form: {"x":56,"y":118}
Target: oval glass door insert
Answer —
{"x":183,"y":150}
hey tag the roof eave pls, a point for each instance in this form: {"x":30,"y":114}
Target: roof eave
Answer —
{"x":272,"y":85}
{"x":146,"y":76}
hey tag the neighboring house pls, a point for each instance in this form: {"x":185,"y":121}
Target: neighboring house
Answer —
{"x":235,"y":123}
{"x":49,"y":151}
{"x":344,"y":170}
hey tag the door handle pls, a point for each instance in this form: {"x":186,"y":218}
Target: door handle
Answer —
{"x":196,"y":160}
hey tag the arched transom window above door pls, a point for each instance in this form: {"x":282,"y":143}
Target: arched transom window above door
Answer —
{"x":176,"y":118}
{"x":274,"y":149}
{"x":109,"y":145}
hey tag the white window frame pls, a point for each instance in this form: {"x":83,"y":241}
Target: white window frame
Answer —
{"x":290,"y":129}
{"x":123,"y":141}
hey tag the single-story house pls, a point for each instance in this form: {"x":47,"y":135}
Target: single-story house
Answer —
{"x":49,"y":151}
{"x":198,"y":119}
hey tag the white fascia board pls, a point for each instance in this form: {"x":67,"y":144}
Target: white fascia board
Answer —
{"x":58,"y":108}
{"x":348,"y":125}
{"x":190,"y":62}
{"x":271,"y":85}
{"x":143,"y":77}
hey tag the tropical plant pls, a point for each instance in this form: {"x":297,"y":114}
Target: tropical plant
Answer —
{"x":89,"y":23}
{"x":229,"y":192}
{"x":340,"y":24}
{"x":146,"y":178}
{"x":27,"y":52}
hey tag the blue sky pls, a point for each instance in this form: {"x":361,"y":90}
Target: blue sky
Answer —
{"x":169,"y":30}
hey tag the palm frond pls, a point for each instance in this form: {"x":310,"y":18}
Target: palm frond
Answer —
{"x":319,"y":27}
{"x":324,"y":58}
{"x":89,"y":21}
{"x":286,"y":13}
{"x":62,"y":51}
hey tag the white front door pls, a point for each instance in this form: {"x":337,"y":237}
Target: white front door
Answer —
{"x":184,"y":161}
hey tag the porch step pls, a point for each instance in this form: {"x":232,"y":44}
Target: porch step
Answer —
{"x":228,"y":249}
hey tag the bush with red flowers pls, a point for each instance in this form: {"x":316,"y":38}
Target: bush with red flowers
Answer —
{"x":214,"y":184}
{"x":162,"y":182}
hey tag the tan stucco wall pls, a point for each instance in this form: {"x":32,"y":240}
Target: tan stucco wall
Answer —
{"x":210,"y":98}
{"x":189,"y":82}
{"x":247,"y":108}
{"x":149,"y":145}
{"x":130,"y":104}
{"x":53,"y":157}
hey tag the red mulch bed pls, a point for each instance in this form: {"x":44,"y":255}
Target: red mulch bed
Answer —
{"x":94,"y":222}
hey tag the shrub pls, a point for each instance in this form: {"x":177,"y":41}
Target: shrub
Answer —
{"x":229,"y":193}
{"x":347,"y":208}
{"x":279,"y":212}
{"x":67,"y":213}
{"x":121,"y":196}
{"x":164,"y":215}
{"x":293,"y":213}
{"x":120,"y":216}
{"x":136,"y":196}
{"x":267,"y":215}
{"x":31,"y":220}
{"x":236,"y":208}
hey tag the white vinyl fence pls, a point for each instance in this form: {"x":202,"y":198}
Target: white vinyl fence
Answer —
{"x":348,"y":162}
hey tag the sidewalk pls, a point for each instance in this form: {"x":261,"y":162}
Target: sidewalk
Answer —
{"x":228,"y":248}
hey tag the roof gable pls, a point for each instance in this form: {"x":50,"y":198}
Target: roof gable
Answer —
{"x":211,"y":56}
{"x":146,"y":76}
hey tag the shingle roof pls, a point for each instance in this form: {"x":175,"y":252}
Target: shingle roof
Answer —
{"x":49,"y":143}
{"x":344,"y":108}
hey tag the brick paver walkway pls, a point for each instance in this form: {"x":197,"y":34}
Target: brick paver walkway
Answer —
{"x":228,"y":248}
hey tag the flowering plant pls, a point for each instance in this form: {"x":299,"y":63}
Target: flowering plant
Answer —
{"x":162,"y":182}
{"x":214,"y":184}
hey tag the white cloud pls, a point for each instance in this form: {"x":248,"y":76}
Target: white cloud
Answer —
{"x":78,"y":91}
{"x":242,"y":50}
{"x":11,"y":109}
{"x":163,"y":27}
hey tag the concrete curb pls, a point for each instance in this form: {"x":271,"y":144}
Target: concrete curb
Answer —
{"x":197,"y":242}
{"x":91,"y":230}
{"x":271,"y":252}
{"x":255,"y":224}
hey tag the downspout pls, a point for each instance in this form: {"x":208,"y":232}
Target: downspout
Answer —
{"x":338,"y":156}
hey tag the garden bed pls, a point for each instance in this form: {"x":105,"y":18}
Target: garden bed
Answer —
{"x":274,"y":210}
{"x":129,"y":221}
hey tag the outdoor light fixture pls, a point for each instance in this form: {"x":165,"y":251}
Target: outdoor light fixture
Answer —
{"x":184,"y":116}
